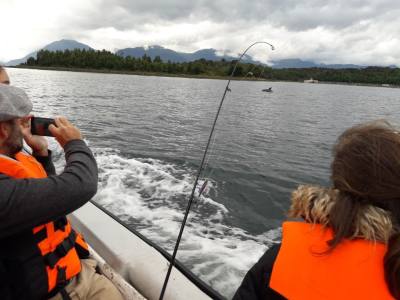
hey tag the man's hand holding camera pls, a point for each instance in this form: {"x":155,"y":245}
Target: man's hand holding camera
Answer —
{"x":38,"y":143}
{"x":64,"y":131}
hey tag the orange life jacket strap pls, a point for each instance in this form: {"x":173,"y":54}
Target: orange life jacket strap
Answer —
{"x":41,"y":234}
{"x":82,"y":248}
{"x":61,"y":250}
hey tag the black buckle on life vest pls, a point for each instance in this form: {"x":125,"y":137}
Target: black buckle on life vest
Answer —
{"x":61,"y":250}
{"x":61,"y":276}
{"x":60,"y":223}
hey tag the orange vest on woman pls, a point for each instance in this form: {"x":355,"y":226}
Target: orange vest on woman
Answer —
{"x":48,"y":255}
{"x":353,"y":270}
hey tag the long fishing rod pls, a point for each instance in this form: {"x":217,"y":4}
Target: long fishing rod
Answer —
{"x":200,"y":170}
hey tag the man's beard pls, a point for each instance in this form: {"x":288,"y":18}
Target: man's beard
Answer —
{"x":14,"y":142}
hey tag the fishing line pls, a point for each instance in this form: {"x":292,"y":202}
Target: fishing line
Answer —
{"x":212,"y":151}
{"x":200,"y":170}
{"x":262,"y":72}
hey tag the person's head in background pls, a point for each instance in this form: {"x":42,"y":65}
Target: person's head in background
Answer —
{"x":366,"y":172}
{"x":4,"y":79}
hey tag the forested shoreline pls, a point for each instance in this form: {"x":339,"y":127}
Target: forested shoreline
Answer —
{"x":107,"y":61}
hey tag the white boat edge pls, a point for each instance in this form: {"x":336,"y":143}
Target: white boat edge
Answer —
{"x":137,"y":268}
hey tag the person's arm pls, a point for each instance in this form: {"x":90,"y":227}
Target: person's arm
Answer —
{"x":47,"y":163}
{"x":255,"y":284}
{"x":26,"y":203}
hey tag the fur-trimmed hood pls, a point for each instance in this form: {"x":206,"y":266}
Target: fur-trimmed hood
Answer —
{"x":314,"y":203}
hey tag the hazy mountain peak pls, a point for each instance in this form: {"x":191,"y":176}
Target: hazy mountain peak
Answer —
{"x":65,"y":44}
{"x":60,"y":45}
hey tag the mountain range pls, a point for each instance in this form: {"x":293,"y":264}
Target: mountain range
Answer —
{"x":174,"y":56}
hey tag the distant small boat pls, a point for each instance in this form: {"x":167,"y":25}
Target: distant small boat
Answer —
{"x":311,"y":80}
{"x":268,"y":90}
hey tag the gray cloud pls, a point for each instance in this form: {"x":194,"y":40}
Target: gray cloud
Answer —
{"x":292,"y":14}
{"x":339,"y":31}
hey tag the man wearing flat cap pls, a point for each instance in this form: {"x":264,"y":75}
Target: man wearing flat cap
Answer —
{"x":41,"y":255}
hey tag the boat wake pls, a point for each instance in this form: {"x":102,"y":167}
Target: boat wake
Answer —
{"x":150,"y":196}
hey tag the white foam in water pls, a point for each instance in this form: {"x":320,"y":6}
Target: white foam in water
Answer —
{"x":151,"y":196}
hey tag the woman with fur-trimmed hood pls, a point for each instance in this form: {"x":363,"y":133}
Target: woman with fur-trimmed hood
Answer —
{"x":345,"y":243}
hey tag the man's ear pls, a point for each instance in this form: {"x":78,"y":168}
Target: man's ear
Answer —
{"x":4,"y":131}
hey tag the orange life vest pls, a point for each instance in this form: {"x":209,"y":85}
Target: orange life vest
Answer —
{"x":57,"y":242}
{"x":353,"y":270}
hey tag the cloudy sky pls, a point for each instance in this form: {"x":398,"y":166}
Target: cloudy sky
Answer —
{"x":340,"y":31}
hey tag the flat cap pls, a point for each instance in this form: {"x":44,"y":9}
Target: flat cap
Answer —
{"x":14,"y":103}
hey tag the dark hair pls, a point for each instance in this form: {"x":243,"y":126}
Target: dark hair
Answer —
{"x":366,"y":171}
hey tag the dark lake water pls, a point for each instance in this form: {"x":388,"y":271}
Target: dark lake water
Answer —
{"x":149,"y":133}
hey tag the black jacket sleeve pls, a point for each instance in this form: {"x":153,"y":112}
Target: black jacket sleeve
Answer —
{"x":26,"y":203}
{"x":47,"y":163}
{"x":255,"y":284}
